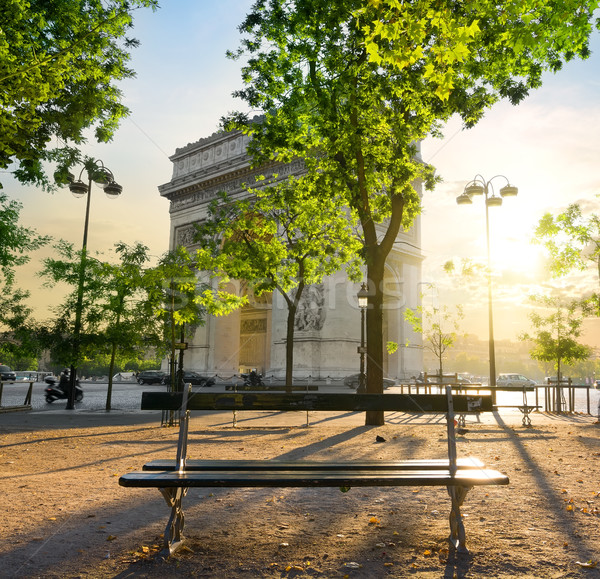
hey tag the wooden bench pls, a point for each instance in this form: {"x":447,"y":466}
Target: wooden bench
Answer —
{"x":526,"y":409}
{"x":174,"y":477}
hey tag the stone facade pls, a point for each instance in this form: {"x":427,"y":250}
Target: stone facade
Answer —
{"x":327,"y":329}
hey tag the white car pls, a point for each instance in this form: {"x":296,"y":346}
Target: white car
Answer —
{"x":514,"y":381}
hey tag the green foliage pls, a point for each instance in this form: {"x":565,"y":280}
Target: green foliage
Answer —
{"x":480,"y":50}
{"x":16,"y":244}
{"x":59,"y":63}
{"x":178,"y":298}
{"x":282,"y":237}
{"x":129,"y":307}
{"x":556,"y":333}
{"x":439,"y":327}
{"x":16,"y":241}
{"x":350,"y":86}
{"x":572,"y":241}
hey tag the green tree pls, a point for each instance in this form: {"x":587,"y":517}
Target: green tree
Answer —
{"x":126,"y":329}
{"x":16,"y":244}
{"x":179,"y":301}
{"x":555,"y":334}
{"x":128,"y":307}
{"x":283,"y":237}
{"x":57,"y":333}
{"x":16,"y":241}
{"x":59,"y":64}
{"x":573,"y":242}
{"x":438,"y":325}
{"x":352,"y":100}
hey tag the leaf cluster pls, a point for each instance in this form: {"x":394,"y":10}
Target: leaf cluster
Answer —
{"x":571,"y":239}
{"x":556,"y":332}
{"x":58,"y":65}
{"x":281,"y":235}
{"x":16,"y":241}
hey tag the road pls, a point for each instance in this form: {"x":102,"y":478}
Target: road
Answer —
{"x":126,"y":396}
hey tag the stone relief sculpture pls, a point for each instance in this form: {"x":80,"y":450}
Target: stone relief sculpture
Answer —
{"x":311,"y":310}
{"x":185,"y":235}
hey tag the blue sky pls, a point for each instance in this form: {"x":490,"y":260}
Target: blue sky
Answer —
{"x":548,"y":147}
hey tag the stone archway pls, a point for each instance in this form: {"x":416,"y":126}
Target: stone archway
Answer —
{"x":255,"y":340}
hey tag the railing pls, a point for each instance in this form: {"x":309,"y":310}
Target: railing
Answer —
{"x":26,"y":404}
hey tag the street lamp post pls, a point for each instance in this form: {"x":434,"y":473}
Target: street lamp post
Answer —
{"x":479,"y":186}
{"x":363,"y":302}
{"x":102,"y":176}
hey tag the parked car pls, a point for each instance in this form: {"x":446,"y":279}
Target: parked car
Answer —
{"x":446,"y":379}
{"x":27,"y":376}
{"x":193,"y":378}
{"x":124,"y":377}
{"x":151,"y":377}
{"x":352,"y":381}
{"x":7,"y":375}
{"x":514,"y":381}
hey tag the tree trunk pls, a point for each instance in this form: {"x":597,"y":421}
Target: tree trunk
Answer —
{"x":375,"y":271}
{"x":289,"y":346}
{"x":111,"y":369}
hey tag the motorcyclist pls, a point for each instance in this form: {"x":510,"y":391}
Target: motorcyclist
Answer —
{"x":64,"y":381}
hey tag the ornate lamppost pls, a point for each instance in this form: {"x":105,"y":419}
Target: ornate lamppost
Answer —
{"x":97,"y":173}
{"x":363,"y":302}
{"x":479,"y":186}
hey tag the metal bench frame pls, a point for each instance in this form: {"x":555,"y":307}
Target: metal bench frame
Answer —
{"x":173,"y":478}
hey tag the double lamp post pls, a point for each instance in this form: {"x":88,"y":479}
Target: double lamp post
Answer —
{"x":479,"y":186}
{"x":97,"y":173}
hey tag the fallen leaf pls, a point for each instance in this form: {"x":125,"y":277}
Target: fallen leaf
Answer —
{"x":353,"y":565}
{"x":588,"y":564}
{"x":110,"y":538}
{"x":373,"y":521}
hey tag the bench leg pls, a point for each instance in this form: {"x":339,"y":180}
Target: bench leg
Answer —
{"x":173,"y":537}
{"x":457,"y":527}
{"x":526,"y":410}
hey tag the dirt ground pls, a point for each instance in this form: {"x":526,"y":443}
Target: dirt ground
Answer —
{"x":64,"y":514}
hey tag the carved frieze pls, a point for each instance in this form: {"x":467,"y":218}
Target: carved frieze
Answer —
{"x":253,"y":326}
{"x":310,"y":315}
{"x":184,"y":235}
{"x":233,"y":185}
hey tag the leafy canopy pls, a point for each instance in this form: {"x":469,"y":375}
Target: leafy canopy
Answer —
{"x":571,"y":239}
{"x":58,"y":65}
{"x":496,"y":49}
{"x":350,"y":87}
{"x":16,"y":241}
{"x":556,"y":331}
{"x":281,"y":236}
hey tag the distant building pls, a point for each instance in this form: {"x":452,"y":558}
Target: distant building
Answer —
{"x":327,"y":329}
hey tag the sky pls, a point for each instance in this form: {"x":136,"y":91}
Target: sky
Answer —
{"x":548,"y":147}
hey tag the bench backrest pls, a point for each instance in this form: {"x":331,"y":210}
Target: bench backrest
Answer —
{"x":434,"y":403}
{"x":188,"y":400}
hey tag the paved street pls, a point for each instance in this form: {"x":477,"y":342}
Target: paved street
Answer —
{"x":126,"y":396}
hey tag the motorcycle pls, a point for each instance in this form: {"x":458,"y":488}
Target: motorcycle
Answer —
{"x":54,"y":392}
{"x":253,"y":379}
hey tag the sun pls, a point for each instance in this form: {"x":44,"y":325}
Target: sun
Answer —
{"x":516,"y":255}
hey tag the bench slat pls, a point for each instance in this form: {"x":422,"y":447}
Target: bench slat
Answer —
{"x":314,"y":478}
{"x":257,"y":465}
{"x":317,"y":401}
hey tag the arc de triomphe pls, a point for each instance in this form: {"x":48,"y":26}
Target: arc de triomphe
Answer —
{"x":328,"y":323}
